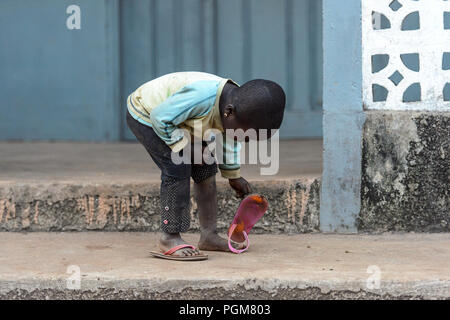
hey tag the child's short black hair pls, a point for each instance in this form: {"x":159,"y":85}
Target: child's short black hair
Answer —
{"x":260,"y":103}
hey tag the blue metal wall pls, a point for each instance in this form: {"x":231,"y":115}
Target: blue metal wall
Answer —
{"x":58,"y":83}
{"x":71,"y":84}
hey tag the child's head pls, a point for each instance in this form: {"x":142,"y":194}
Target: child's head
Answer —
{"x":258,"y":104}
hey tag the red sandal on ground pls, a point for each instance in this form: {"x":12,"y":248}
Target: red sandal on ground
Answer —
{"x":251,"y":209}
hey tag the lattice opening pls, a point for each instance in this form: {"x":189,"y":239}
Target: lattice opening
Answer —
{"x":380,"y":93}
{"x":395,"y":5}
{"x":396,"y":78}
{"x":379,"y":62}
{"x":411,"y":61}
{"x":447,"y":92}
{"x":411,"y":22}
{"x":446,"y":61}
{"x":413,"y":93}
{"x":447,"y":20}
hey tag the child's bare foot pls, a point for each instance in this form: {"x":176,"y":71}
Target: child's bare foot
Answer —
{"x":214,"y":242}
{"x":170,"y":240}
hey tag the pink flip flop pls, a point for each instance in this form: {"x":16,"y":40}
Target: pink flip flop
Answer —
{"x":251,"y":209}
{"x":169,"y":254}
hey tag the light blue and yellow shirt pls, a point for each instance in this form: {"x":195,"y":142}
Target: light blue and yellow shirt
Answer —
{"x":183,"y":100}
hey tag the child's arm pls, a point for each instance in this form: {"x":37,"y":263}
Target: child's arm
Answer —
{"x":230,"y":168}
{"x":192,"y":101}
{"x":231,"y":164}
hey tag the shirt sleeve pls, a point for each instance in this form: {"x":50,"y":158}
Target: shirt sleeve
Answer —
{"x":192,"y":101}
{"x":230,"y":168}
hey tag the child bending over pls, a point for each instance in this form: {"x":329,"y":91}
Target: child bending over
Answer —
{"x":183,"y":100}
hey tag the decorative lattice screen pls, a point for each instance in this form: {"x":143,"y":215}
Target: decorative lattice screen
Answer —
{"x":406,"y":54}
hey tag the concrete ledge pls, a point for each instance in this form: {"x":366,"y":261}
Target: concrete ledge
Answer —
{"x":75,"y":206}
{"x":115,"y":187}
{"x":310,"y":266}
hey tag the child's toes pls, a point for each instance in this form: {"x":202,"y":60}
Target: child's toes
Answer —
{"x":182,"y":253}
{"x":191,"y":252}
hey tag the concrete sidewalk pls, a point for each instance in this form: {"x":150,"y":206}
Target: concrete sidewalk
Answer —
{"x":125,"y":162}
{"x":313,"y":266}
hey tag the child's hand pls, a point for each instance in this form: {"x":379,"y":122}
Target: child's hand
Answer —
{"x":241,"y":186}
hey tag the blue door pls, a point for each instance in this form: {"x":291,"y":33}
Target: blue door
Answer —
{"x":239,"y":39}
{"x":59,"y":83}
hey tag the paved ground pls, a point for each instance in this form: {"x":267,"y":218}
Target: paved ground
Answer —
{"x":117,"y":265}
{"x":125,"y":162}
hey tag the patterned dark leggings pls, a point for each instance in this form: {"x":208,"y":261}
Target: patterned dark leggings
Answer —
{"x":175,"y":178}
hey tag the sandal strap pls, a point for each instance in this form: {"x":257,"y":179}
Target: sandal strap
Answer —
{"x":176,"y":248}
{"x":233,"y":226}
